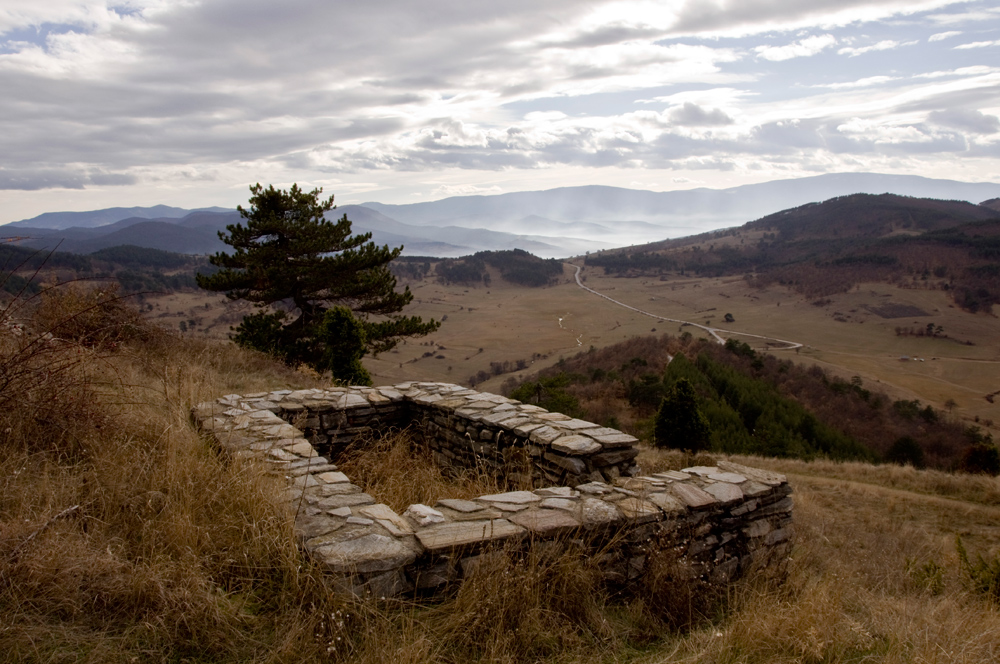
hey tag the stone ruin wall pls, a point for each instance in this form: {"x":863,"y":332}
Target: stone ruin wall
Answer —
{"x":720,"y":521}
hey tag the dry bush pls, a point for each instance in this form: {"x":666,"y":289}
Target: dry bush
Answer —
{"x":95,"y":316}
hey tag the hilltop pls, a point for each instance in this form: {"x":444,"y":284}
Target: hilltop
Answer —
{"x":825,"y":248}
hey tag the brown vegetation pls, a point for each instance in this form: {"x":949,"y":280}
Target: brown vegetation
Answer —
{"x":124,"y":538}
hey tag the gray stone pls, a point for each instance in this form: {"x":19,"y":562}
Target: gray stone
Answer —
{"x":333,"y":477}
{"x":703,"y":471}
{"x":367,"y":553}
{"x":576,"y":445}
{"x":385,"y":585}
{"x":544,"y":435}
{"x":732,"y":478}
{"x":559,"y":504}
{"x":666,"y":502}
{"x":637,"y":510}
{"x":511,"y":497}
{"x":337,"y":489}
{"x":551,"y":523}
{"x":359,"y":521}
{"x":451,"y":535}
{"x":596,"y":512}
{"x":757,"y":528}
{"x":724,"y":492}
{"x":692,"y":496}
{"x":614,"y":440}
{"x":422,"y":515}
{"x":345,"y":500}
{"x":385,"y":514}
{"x":755,"y":474}
{"x":556,"y":492}
{"x":572,"y":464}
{"x":594,"y":488}
{"x":460,"y":505}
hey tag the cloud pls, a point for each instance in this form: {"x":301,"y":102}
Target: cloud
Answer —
{"x":63,"y":178}
{"x":211,"y":94}
{"x":446,"y":190}
{"x":884,"y":45}
{"x":804,"y":48}
{"x":866,"y":82}
{"x":978,"y":44}
{"x":966,"y":120}
{"x":692,"y":115}
{"x":944,"y":35}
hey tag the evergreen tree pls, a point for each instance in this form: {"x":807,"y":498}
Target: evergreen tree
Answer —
{"x":338,"y":299}
{"x":679,"y":423}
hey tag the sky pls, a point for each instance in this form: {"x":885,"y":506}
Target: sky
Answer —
{"x":187,"y":102}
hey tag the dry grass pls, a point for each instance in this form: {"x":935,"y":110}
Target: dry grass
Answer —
{"x":166,"y":551}
{"x":399,"y":473}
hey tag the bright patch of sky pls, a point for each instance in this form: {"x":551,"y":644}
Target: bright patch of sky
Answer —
{"x":186,"y":102}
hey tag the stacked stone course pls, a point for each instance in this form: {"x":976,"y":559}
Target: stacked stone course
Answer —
{"x":718,"y":522}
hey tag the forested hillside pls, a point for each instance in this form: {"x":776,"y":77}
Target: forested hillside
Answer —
{"x":755,"y":403}
{"x":825,"y":248}
{"x":515,"y":266}
{"x":137,"y":269}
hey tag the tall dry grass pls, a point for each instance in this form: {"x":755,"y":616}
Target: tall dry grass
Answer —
{"x":124,"y":537}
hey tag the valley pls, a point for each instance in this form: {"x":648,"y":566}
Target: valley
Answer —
{"x":848,"y":334}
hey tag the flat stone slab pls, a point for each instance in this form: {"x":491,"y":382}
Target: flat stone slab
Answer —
{"x":551,"y":523}
{"x":692,"y":496}
{"x":556,"y":492}
{"x":638,"y":509}
{"x":596,"y":512}
{"x":576,"y":445}
{"x":724,"y":492}
{"x":384,"y":513}
{"x":460,"y":505}
{"x":368,"y":553}
{"x":666,"y":502}
{"x":463,"y":533}
{"x":511,"y":497}
{"x":568,"y":504}
{"x":732,"y":478}
{"x":333,"y":477}
{"x":423,"y":515}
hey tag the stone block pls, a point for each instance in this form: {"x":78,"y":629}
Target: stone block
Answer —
{"x":448,"y":536}
{"x":595,"y":512}
{"x":638,"y":510}
{"x":724,"y":492}
{"x":692,"y":496}
{"x":575,"y":445}
{"x":367,"y":553}
{"x":548,"y":523}
{"x":614,"y":457}
{"x":385,"y":514}
{"x":572,"y":464}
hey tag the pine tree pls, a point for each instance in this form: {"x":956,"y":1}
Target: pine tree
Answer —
{"x":680,"y":424}
{"x":337,"y":298}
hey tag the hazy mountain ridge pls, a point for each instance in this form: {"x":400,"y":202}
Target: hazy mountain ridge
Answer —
{"x":826,"y":248}
{"x":554,"y":223}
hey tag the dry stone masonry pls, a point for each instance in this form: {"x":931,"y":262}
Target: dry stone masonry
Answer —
{"x":717,"y":522}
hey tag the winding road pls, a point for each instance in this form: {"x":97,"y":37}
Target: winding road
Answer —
{"x":712,"y":331}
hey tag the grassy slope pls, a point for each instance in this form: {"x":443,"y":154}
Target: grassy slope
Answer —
{"x":175,"y":553}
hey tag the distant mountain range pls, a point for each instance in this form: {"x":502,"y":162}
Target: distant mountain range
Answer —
{"x":554,"y":223}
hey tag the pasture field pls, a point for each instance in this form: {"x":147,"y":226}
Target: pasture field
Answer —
{"x":849,"y":334}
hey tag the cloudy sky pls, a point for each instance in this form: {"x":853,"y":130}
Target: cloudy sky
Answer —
{"x":186,"y":102}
